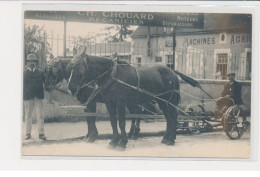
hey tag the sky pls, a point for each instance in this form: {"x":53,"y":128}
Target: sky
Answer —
{"x":56,"y":28}
{"x":73,"y":28}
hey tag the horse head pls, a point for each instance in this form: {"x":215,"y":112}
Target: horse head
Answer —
{"x":78,"y":71}
{"x":54,"y":73}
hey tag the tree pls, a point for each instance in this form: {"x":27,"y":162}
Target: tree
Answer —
{"x":35,"y":43}
{"x":124,"y":32}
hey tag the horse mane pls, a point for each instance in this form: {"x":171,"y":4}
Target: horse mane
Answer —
{"x":77,"y":59}
{"x":100,"y":63}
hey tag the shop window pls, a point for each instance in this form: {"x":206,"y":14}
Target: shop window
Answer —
{"x":126,"y":58}
{"x":170,"y":61}
{"x":158,"y":59}
{"x":139,"y":61}
{"x":222,"y":63}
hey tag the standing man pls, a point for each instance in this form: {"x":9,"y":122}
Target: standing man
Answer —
{"x":33,"y":95}
{"x":230,"y":93}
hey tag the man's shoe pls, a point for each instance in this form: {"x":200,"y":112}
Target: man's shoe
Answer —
{"x":42,"y":136}
{"x":28,"y":136}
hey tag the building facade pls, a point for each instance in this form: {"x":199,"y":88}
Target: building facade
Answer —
{"x":221,"y":47}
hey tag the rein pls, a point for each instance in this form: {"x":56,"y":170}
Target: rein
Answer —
{"x":95,"y":80}
{"x":96,"y":90}
{"x":79,"y":58}
{"x":113,"y":69}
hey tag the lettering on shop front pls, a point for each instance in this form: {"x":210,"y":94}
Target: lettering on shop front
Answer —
{"x":178,"y":20}
{"x":234,"y":39}
{"x":200,"y":41}
{"x":240,"y":39}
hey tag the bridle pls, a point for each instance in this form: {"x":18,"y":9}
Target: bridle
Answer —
{"x":79,"y":60}
{"x":93,"y":83}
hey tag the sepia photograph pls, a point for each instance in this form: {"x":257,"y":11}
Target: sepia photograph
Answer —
{"x":136,"y":84}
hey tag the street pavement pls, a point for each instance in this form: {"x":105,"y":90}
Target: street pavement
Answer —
{"x":67,"y":139}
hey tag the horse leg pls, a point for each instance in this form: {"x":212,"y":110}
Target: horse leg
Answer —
{"x":87,"y":135}
{"x":93,"y":133}
{"x":131,"y":132}
{"x":111,"y":108}
{"x":134,"y":130}
{"x":137,"y":129}
{"x":171,"y":117}
{"x":121,"y":110}
{"x":164,"y":108}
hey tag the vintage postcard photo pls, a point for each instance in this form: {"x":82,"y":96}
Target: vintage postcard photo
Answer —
{"x":136,"y":84}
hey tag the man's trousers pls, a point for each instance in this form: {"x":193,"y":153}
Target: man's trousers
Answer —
{"x":30,"y":106}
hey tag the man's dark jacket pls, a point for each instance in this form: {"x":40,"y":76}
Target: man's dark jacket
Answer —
{"x":234,"y":91}
{"x":33,"y":84}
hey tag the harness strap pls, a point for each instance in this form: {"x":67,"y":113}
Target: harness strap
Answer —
{"x":95,"y":80}
{"x":147,"y":109}
{"x":149,"y":94}
{"x":92,"y":96}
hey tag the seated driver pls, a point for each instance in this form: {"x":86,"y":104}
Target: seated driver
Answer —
{"x":230,"y":95}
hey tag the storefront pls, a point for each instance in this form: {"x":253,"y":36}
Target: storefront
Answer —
{"x":221,"y":47}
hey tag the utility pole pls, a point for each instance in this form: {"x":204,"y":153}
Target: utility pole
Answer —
{"x":64,"y":39}
{"x":173,"y":47}
{"x":149,"y":41}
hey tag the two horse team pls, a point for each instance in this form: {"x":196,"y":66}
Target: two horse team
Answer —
{"x":119,"y":85}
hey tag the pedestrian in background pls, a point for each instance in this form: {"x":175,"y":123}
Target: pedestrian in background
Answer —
{"x":33,"y":96}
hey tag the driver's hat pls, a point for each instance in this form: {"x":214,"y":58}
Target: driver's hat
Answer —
{"x":231,"y":75}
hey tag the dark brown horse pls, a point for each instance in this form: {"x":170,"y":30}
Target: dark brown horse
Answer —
{"x":59,"y":69}
{"x":120,"y":85}
{"x":56,"y":72}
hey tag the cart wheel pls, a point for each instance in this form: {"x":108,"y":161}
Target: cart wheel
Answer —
{"x":232,"y":123}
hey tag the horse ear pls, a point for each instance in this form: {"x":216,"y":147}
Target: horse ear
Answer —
{"x":82,"y":50}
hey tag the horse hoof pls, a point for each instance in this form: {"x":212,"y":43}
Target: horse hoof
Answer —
{"x":164,"y":141}
{"x":86,"y":137}
{"x":113,"y":143}
{"x":122,"y":143}
{"x":170,"y":143}
{"x":91,"y":140}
